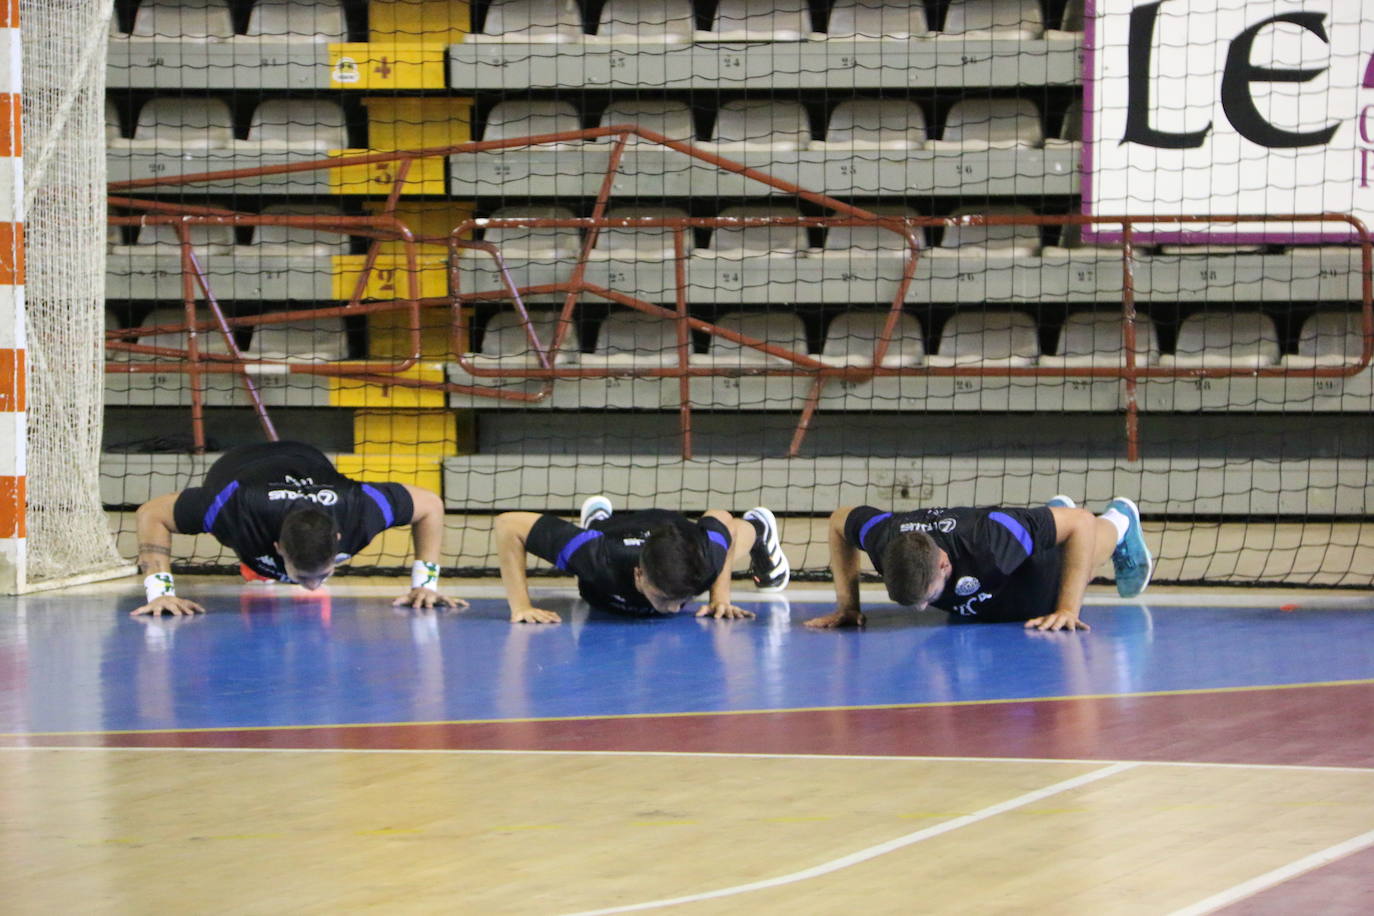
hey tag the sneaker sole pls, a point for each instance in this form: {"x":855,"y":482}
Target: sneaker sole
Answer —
{"x":586,"y":516}
{"x":770,"y":523}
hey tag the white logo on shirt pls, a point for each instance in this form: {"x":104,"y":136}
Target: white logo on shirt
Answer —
{"x":944,"y":526}
{"x":323,"y":497}
{"x":967,"y":586}
{"x":967,"y":609}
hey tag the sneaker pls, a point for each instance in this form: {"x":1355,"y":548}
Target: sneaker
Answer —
{"x":768,"y":564}
{"x":1131,"y":559}
{"x":596,"y":508}
{"x":1061,"y":502}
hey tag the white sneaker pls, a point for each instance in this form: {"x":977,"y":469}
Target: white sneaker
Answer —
{"x":768,"y":564}
{"x":596,"y":508}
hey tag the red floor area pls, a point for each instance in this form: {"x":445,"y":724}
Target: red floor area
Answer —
{"x":1343,"y":888}
{"x":1321,"y":725}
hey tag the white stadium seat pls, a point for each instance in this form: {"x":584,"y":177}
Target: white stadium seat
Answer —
{"x":1245,"y":340}
{"x":762,"y":124}
{"x":1072,"y":20}
{"x":1071,"y":129}
{"x":183,"y":20}
{"x":318,"y":341}
{"x":628,"y":336}
{"x":292,"y":20}
{"x":761,"y":20}
{"x":647,"y":244}
{"x":114,"y":133}
{"x":162,"y":240}
{"x":1007,"y":339}
{"x":520,"y":118}
{"x":1004,"y":19}
{"x":851,"y":338}
{"x":298,"y":242}
{"x":1072,"y":248}
{"x":206,"y":341}
{"x":877,"y":19}
{"x":532,"y":21}
{"x":1008,"y":241}
{"x":645,"y":21}
{"x":980,"y":124}
{"x":782,"y":329}
{"x":504,"y":339}
{"x":859,"y":124}
{"x":314,"y":125}
{"x":1093,"y":339}
{"x":1328,"y":339}
{"x":179,"y":124}
{"x":534,"y":243}
{"x":870,"y":241}
{"x":777,"y":240}
{"x":672,"y":119}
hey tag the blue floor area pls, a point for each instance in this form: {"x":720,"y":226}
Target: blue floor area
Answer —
{"x":265,"y":657}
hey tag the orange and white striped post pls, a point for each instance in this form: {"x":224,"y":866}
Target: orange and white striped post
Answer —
{"x":13,"y":390}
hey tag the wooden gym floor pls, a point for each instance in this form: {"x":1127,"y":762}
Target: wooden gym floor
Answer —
{"x":325,"y":753}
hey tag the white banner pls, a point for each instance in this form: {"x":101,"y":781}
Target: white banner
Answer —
{"x":1197,"y":107}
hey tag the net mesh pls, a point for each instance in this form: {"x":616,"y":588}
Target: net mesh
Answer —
{"x":64,"y":48}
{"x":938,"y":113}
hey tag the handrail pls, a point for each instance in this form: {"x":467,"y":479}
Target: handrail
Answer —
{"x":547,"y":371}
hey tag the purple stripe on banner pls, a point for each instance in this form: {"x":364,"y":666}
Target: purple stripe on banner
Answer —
{"x":863,"y":532}
{"x":213,"y":512}
{"x":387,"y":515}
{"x":572,"y":547}
{"x":719,"y":539}
{"x":1017,"y":530}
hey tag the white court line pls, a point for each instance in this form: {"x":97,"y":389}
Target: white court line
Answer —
{"x":872,"y":852}
{"x":731,"y":755}
{"x":1278,"y":876}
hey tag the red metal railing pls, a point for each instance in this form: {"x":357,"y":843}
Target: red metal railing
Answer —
{"x":388,"y":227}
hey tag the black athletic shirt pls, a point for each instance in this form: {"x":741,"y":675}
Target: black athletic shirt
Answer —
{"x":249,"y":490}
{"x":1003,"y":560}
{"x":604,"y":556}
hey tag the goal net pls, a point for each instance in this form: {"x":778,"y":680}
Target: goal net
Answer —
{"x":64,"y":47}
{"x":861,"y":173}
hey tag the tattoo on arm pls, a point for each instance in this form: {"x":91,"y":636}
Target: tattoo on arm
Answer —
{"x":153,"y":549}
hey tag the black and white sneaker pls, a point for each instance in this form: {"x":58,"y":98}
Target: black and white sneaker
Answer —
{"x":768,"y":565}
{"x":596,"y":508}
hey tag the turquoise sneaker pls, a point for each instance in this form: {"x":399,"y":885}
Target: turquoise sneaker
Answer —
{"x":1131,"y":559}
{"x":1061,"y":502}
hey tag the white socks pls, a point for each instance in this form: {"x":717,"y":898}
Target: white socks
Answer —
{"x":1120,"y":522}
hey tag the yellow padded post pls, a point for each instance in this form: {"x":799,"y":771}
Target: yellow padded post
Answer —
{"x":448,"y":21}
{"x":405,"y":432}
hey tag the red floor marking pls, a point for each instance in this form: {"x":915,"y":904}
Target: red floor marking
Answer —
{"x":1344,"y":886}
{"x":1320,"y":726}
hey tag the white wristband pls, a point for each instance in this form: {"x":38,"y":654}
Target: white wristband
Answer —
{"x":424,"y":575}
{"x":157,"y":585}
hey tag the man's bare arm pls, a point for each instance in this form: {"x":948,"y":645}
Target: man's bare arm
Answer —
{"x":156,"y":523}
{"x":741,"y":539}
{"x":844,"y":569}
{"x":512,"y":528}
{"x":427,"y":534}
{"x":1076,"y":533}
